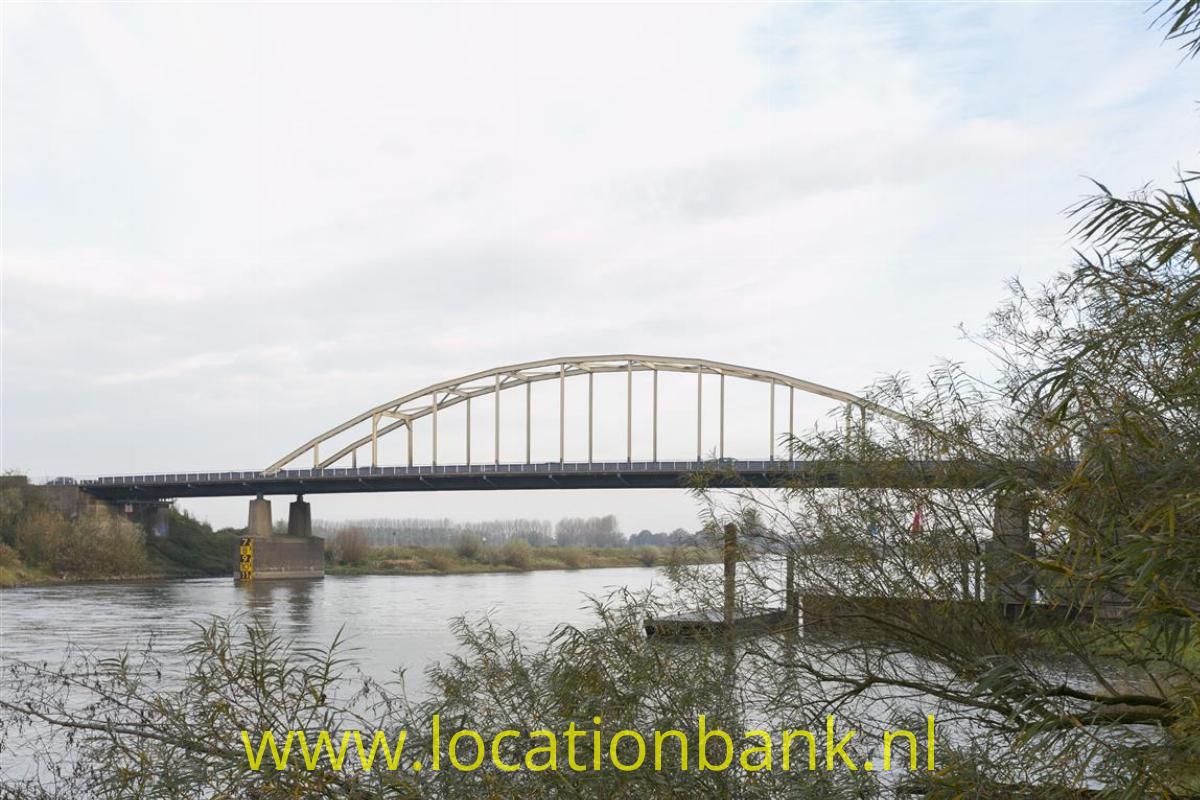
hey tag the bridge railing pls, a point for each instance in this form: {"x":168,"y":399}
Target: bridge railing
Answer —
{"x":758,"y":465}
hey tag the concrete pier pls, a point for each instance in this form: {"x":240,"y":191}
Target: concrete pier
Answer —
{"x":299,"y":517}
{"x":259,"y":523}
{"x":278,"y":557}
{"x":264,"y":556}
{"x":1009,"y":576}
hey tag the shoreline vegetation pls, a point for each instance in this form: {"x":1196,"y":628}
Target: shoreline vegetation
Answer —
{"x":447,"y":561}
{"x":45,"y":544}
{"x":42,"y":545}
{"x":430,"y":561}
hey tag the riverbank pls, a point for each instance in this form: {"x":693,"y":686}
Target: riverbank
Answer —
{"x":406,"y":561}
{"x":31,"y":577}
{"x":45,"y":541}
{"x":448,"y":561}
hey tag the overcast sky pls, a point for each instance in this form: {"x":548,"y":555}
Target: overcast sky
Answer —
{"x":227,"y":228}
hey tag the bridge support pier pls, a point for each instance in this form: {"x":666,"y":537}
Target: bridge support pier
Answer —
{"x":259,"y":523}
{"x":1009,"y":578}
{"x":299,"y":517}
{"x":152,"y":515}
{"x":264,"y":556}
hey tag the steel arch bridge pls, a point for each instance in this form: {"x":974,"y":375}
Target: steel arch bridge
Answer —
{"x":301,"y":555}
{"x":370,"y":426}
{"x":319,"y":466}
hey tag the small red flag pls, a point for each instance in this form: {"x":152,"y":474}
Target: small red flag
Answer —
{"x":918,"y":519}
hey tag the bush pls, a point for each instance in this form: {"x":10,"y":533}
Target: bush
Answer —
{"x":97,"y":543}
{"x":440,"y":560}
{"x":192,"y":547}
{"x":648,"y":556}
{"x":516,"y":553}
{"x":468,"y":546}
{"x":108,"y":544}
{"x":9,"y":558}
{"x":43,"y":537}
{"x":572,"y":557}
{"x":351,"y":546}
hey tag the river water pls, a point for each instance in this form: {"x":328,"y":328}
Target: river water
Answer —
{"x":390,"y":621}
{"x":387,"y":622}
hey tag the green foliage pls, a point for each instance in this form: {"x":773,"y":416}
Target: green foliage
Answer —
{"x":412,"y":560}
{"x":193,"y":548}
{"x":572,"y":557}
{"x":516,"y":554}
{"x":351,"y":547}
{"x":92,"y":543}
{"x":9,"y":558}
{"x":468,"y":546}
{"x":1181,"y":20}
{"x":133,"y":736}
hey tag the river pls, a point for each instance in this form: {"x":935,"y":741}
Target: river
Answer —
{"x":390,"y":621}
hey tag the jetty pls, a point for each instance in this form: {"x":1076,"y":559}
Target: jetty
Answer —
{"x":731,"y":621}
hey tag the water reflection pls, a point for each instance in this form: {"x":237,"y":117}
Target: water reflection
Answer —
{"x":389,"y":622}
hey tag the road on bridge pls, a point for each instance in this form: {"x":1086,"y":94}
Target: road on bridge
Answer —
{"x":727,"y":473}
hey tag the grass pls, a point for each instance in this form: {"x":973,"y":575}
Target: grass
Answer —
{"x":23,"y":575}
{"x":510,"y":558}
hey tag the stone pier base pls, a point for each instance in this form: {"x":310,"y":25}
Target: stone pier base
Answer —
{"x":276,"y":557}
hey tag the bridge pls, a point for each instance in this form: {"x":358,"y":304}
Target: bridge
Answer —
{"x":727,"y":473}
{"x":329,"y":462}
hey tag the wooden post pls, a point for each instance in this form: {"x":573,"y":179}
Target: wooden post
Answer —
{"x":791,"y":596}
{"x":730,"y":573}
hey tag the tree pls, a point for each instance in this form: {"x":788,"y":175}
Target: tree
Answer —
{"x":1074,"y":654}
{"x":350,"y":546}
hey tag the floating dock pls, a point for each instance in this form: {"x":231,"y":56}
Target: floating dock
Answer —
{"x":699,"y":624}
{"x":730,"y":621}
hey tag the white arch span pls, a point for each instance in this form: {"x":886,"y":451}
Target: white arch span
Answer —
{"x":427,"y":402}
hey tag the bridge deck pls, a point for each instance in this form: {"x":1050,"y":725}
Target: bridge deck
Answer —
{"x":551,"y":475}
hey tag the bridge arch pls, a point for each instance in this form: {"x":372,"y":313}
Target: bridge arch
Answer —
{"x":404,"y":411}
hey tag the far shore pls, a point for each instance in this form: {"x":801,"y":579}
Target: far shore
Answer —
{"x":513,"y":556}
{"x":415,"y":561}
{"x":26,"y":578}
{"x":484,"y":569}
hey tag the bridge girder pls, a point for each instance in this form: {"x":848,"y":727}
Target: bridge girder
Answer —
{"x":404,"y":411}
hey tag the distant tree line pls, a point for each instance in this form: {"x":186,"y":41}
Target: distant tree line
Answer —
{"x":676,"y":538}
{"x":601,"y":531}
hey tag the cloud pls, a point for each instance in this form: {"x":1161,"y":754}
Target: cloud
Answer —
{"x":264,"y":218}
